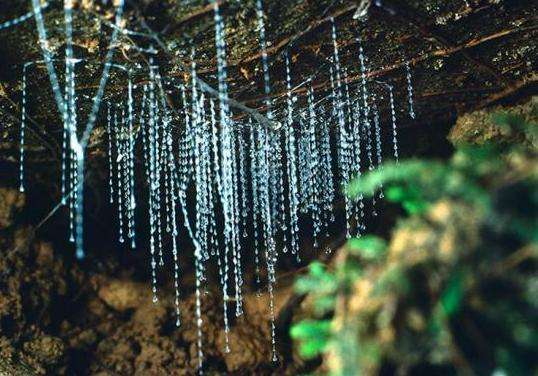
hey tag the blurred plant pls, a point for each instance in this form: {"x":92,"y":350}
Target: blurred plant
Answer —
{"x":455,"y":290}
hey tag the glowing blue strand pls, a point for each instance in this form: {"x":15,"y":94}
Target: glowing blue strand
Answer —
{"x":176,"y":279}
{"x":79,"y":146}
{"x":357,"y":162}
{"x":208,"y":185}
{"x":143,"y":131}
{"x":172,"y":187}
{"x":366,"y":107}
{"x":104,"y":77}
{"x":220,"y":42}
{"x":198,"y":313}
{"x":175,"y":234}
{"x":304,"y":170}
{"x":200,"y":175}
{"x":213,"y":172}
{"x":379,"y":151}
{"x":292,"y":165}
{"x":256,"y":212}
{"x":23,"y":126}
{"x":243,"y":182}
{"x":166,"y":151}
{"x":152,"y":182}
{"x":65,"y":155}
{"x":79,"y":204}
{"x":343,"y":134}
{"x":263,"y":46}
{"x":367,"y":126}
{"x":410,"y":90}
{"x":269,"y":233}
{"x":313,"y":165}
{"x":72,"y":188}
{"x":159,"y":162}
{"x":184,"y":147}
{"x":126,"y":173}
{"x":110,"y":164}
{"x":132,"y":199}
{"x":197,"y":144}
{"x":183,"y":205}
{"x":169,"y":188}
{"x":194,"y":142}
{"x":334,"y":112}
{"x":329,"y":193}
{"x":70,"y":115}
{"x":21,"y":19}
{"x":327,"y":184}
{"x":273,"y":150}
{"x":352,"y":149}
{"x":47,"y":57}
{"x":371,"y":164}
{"x":228,"y":179}
{"x":235,"y":236}
{"x":76,"y":146}
{"x":120,"y":132}
{"x":70,"y":112}
{"x":167,"y":178}
{"x":339,"y":103}
{"x":394,"y":127}
{"x":199,"y":272}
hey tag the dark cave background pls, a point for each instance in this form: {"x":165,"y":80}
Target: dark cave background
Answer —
{"x":465,"y":56}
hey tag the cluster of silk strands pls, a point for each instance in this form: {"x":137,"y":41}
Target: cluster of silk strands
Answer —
{"x":249,"y":182}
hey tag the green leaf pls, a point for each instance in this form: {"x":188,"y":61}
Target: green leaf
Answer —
{"x":368,"y":247}
{"x":314,"y":336}
{"x":414,"y":170}
{"x":317,"y":281}
{"x":307,"y":329}
{"x":409,"y":197}
{"x":312,"y":348}
{"x":453,"y":294}
{"x":317,"y":269}
{"x":324,"y":304}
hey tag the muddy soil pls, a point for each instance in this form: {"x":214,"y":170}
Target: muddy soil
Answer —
{"x":59,"y":318}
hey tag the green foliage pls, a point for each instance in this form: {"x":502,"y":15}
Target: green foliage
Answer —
{"x":409,"y":197}
{"x":450,"y":301}
{"x":416,"y":183}
{"x":408,"y":301}
{"x":317,"y":336}
{"x":368,"y":247}
{"x":514,"y":125}
{"x":314,"y":335}
{"x":317,"y":279}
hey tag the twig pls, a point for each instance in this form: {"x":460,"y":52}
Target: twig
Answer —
{"x":288,"y":42}
{"x":53,"y":147}
{"x":444,"y":52}
{"x":527,"y":252}
{"x":194,"y":15}
{"x":532,"y":81}
{"x":45,"y":219}
{"x":204,"y":86}
{"x":413,"y":17}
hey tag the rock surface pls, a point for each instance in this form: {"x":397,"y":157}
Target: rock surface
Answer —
{"x":479,"y":127}
{"x":57,"y":319}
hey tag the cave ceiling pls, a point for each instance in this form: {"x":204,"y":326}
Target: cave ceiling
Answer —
{"x":463,"y":55}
